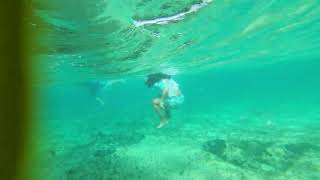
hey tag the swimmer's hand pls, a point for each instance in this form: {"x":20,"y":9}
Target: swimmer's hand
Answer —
{"x":162,"y":104}
{"x":100,"y":101}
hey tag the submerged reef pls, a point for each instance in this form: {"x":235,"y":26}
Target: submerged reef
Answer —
{"x":216,"y":147}
{"x":268,"y":158}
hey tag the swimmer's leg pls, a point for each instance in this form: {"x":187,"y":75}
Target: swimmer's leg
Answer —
{"x":163,"y":119}
{"x":167,"y":111}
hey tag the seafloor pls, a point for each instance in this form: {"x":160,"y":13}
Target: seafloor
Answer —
{"x":258,"y":146}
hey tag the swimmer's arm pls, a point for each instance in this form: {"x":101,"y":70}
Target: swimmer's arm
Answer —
{"x":164,"y":94}
{"x":165,"y":91}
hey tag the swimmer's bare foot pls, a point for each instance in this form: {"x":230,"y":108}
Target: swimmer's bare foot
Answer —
{"x":162,"y":123}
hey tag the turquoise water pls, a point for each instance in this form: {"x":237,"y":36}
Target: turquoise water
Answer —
{"x":249,"y":71}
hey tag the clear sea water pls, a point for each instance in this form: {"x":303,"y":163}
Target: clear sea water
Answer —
{"x":249,"y":71}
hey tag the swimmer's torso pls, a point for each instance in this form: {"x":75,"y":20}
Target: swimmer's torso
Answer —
{"x":173,"y":87}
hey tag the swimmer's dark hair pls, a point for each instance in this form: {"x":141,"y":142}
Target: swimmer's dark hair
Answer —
{"x":151,"y":79}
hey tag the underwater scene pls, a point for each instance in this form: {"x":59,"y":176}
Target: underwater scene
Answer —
{"x":175,"y":89}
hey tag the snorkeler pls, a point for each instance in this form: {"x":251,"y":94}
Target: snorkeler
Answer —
{"x":96,"y":87}
{"x":169,"y":97}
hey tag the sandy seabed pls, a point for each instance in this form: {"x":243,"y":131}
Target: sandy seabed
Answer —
{"x":207,"y":147}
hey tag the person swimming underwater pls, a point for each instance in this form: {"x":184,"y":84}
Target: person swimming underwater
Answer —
{"x":96,"y":87}
{"x":170,"y":95}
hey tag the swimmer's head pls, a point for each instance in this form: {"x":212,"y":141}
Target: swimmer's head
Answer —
{"x":151,"y":79}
